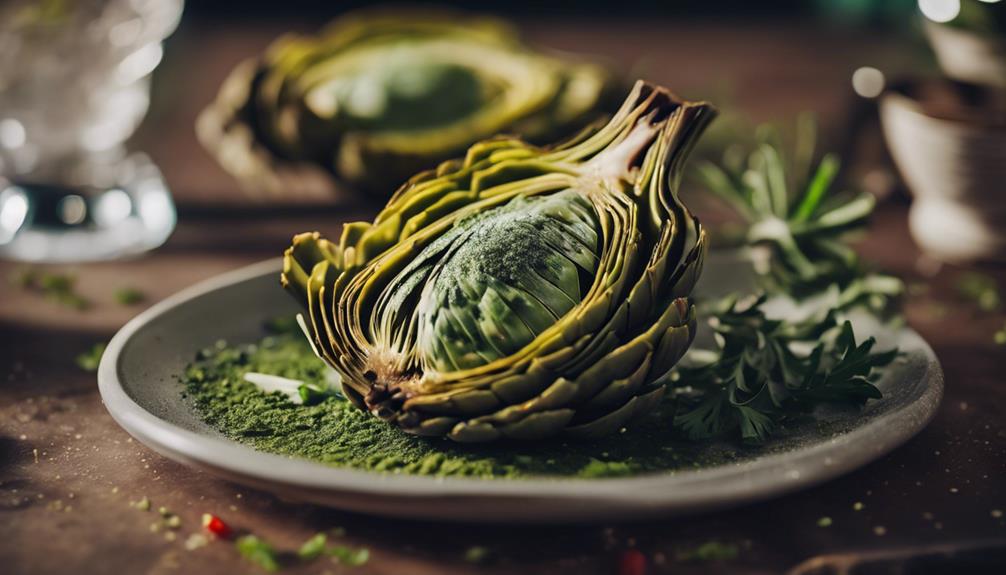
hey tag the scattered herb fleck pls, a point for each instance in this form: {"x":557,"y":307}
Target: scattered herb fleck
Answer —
{"x":257,"y":551}
{"x":476,"y":554}
{"x":129,"y":296}
{"x":195,"y":541}
{"x":598,"y":468}
{"x":349,"y":556}
{"x":824,"y":522}
{"x":143,"y":504}
{"x":90,"y":359}
{"x":24,"y":277}
{"x":980,"y":289}
{"x":857,"y":506}
{"x":313,"y":547}
{"x":1000,"y":336}
{"x":56,"y":287}
{"x":710,"y":551}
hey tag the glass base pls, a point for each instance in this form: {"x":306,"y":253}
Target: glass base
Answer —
{"x":99,"y":208}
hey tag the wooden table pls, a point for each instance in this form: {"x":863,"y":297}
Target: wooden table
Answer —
{"x":68,"y":473}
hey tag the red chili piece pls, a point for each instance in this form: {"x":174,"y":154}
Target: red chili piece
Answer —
{"x":216,"y":526}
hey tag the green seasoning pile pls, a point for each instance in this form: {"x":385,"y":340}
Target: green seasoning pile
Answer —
{"x":379,"y":96}
{"x":337,"y":433}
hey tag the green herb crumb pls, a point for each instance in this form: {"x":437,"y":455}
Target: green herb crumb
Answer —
{"x":90,"y":359}
{"x":24,"y":277}
{"x":980,"y":289}
{"x":476,"y":554}
{"x":349,"y":556}
{"x":598,"y":468}
{"x":196,"y":541}
{"x":129,"y":296}
{"x":313,"y":547}
{"x":143,"y":504}
{"x":334,"y":432}
{"x":824,"y":522}
{"x":257,"y":551}
{"x":57,"y":287}
{"x":710,"y":551}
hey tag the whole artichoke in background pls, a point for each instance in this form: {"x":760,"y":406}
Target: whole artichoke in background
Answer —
{"x":379,"y":96}
{"x":519,"y":292}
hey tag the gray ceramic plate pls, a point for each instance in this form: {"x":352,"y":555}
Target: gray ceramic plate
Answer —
{"x":138,"y":378}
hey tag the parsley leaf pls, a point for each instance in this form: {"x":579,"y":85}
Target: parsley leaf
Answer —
{"x":762,"y":372}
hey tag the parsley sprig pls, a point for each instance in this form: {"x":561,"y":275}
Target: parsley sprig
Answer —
{"x":766,"y":370}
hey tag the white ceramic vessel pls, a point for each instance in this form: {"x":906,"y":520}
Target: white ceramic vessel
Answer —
{"x":956,"y":171}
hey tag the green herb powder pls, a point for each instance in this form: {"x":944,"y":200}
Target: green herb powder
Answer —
{"x":337,"y":433}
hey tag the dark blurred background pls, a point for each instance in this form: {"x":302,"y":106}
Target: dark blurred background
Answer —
{"x":758,"y":61}
{"x":872,"y":10}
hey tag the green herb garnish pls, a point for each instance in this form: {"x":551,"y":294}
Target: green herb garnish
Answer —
{"x":90,"y":359}
{"x":24,"y":277}
{"x":257,"y":551}
{"x":129,"y":296}
{"x":710,"y":551}
{"x":313,"y":547}
{"x":56,"y":287}
{"x":349,"y":556}
{"x":335,"y":432}
{"x":981,"y":289}
{"x":758,"y":376}
{"x":795,"y":225}
{"x":476,"y":554}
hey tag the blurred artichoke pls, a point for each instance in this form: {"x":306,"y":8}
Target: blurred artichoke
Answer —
{"x":380,"y":96}
{"x":519,"y":292}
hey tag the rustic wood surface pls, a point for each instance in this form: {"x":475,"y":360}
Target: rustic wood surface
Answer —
{"x":68,"y":473}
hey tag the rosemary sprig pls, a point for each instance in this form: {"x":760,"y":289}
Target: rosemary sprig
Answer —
{"x":795,"y":224}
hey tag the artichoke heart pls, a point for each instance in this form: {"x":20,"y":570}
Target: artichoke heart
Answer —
{"x":378,"y":96}
{"x":518,"y":292}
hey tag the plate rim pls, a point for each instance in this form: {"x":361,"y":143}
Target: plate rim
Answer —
{"x":657,"y":493}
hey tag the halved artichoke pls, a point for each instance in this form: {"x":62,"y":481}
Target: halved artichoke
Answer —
{"x":520,"y":292}
{"x":379,"y":96}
